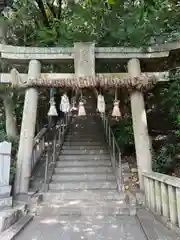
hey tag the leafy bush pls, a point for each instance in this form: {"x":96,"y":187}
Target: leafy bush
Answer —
{"x":123,"y":132}
{"x":165,"y":159}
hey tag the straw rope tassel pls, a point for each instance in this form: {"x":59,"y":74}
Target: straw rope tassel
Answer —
{"x":73,"y":102}
{"x":116,"y":110}
{"x":52,"y":111}
{"x":101,"y":106}
{"x":65,"y":104}
{"x":81,"y":110}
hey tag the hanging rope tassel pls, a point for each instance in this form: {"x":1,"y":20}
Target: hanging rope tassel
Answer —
{"x":73,"y":106}
{"x":65,"y":104}
{"x":101,"y":106}
{"x":116,"y":110}
{"x":73,"y":103}
{"x":52,"y":111}
{"x":81,"y":110}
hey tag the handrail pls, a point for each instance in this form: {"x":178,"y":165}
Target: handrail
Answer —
{"x":51,"y":148}
{"x":40,"y":135}
{"x":115,"y":152}
{"x":170,"y":180}
{"x":39,"y":147}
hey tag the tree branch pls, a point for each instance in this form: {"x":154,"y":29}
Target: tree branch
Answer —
{"x":52,"y":9}
{"x":60,"y":9}
{"x":43,"y":12}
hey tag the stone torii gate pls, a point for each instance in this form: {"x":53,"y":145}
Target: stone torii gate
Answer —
{"x":84,"y":56}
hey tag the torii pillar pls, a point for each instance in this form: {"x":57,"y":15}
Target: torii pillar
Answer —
{"x":140,"y":128}
{"x":24,"y":156}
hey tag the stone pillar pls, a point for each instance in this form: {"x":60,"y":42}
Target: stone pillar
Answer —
{"x":141,"y":136}
{"x":84,"y":62}
{"x":23,"y":170}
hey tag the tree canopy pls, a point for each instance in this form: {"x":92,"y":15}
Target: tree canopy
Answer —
{"x":107,"y":23}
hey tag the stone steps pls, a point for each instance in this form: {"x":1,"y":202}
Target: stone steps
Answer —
{"x":82,"y":185}
{"x":84,"y":152}
{"x":85,"y":208}
{"x":83,"y":177}
{"x":99,"y":148}
{"x":92,"y":169}
{"x":85,"y":137}
{"x":82,"y":163}
{"x":83,"y":143}
{"x":90,"y":157}
{"x":56,"y":196}
{"x":83,"y":182}
{"x":86,"y":140}
{"x":91,"y":134}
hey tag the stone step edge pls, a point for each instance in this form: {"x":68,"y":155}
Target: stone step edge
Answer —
{"x":84,"y":151}
{"x":74,"y":146}
{"x":84,"y":181}
{"x":86,"y":167}
{"x":82,"y":173}
{"x":82,"y":164}
{"x":82,"y":143}
{"x":11,"y":215}
{"x":16,"y":228}
{"x":84,"y":157}
{"x":82,"y":178}
{"x":89,"y":155}
{"x":102,"y":161}
{"x":5,"y":202}
{"x":91,"y":210}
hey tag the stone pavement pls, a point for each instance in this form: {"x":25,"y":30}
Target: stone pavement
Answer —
{"x":98,"y":227}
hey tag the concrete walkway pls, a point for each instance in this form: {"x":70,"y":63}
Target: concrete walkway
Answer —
{"x":141,"y":227}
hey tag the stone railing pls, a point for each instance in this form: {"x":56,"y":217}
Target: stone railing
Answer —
{"x":162,"y":194}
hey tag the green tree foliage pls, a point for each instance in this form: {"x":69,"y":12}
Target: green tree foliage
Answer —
{"x":118,"y":23}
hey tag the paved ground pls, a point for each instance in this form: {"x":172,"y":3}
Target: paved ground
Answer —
{"x":77,"y":228}
{"x":100,"y":228}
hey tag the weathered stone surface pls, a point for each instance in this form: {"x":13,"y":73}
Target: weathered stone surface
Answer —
{"x":82,"y":185}
{"x":5,"y":161}
{"x":10,"y":216}
{"x":83,"y":163}
{"x":91,"y":169}
{"x":58,"y":196}
{"x":83,"y":177}
{"x":154,"y":230}
{"x":76,"y":228}
{"x":5,"y":202}
{"x":15,"y":229}
{"x":85,"y":208}
{"x":169,"y":180}
{"x":5,"y":191}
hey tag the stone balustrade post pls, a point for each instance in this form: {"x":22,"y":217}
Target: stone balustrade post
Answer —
{"x":141,"y":136}
{"x":24,"y":157}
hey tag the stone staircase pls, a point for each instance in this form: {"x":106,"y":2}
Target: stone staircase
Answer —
{"x":83,"y":182}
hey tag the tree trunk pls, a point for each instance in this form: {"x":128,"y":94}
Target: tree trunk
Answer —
{"x":11,"y":126}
